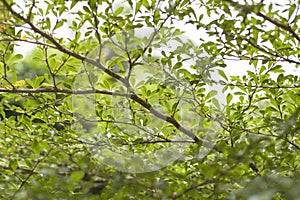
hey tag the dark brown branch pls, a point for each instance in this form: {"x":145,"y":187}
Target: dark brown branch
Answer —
{"x":283,"y":26}
{"x":143,"y":129}
{"x":132,"y":96}
{"x":248,"y":9}
{"x":263,"y":86}
{"x":239,"y":58}
{"x":165,"y":117}
{"x":63,"y":49}
{"x":65,"y":91}
{"x":32,"y":172}
{"x":293,"y":144}
{"x":28,"y":41}
{"x":165,"y":141}
{"x":107,"y":71}
{"x":269,"y":53}
{"x":193,"y":187}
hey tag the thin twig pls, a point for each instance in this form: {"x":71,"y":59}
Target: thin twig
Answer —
{"x":30,"y":174}
{"x":126,"y":82}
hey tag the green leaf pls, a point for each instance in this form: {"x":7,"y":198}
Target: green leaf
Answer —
{"x":119,"y":11}
{"x":216,"y":103}
{"x":13,"y":164}
{"x":228,"y":98}
{"x":177,"y":65}
{"x":291,"y":10}
{"x":211,"y":94}
{"x":277,"y":69}
{"x":74,"y":2}
{"x":156,"y":16}
{"x":14,"y":58}
{"x":86,"y":9}
{"x":35,"y":147}
{"x":44,"y":146}
{"x":37,"y":81}
{"x":47,"y":23}
{"x":77,"y":175}
{"x":138,"y":6}
{"x":145,"y":3}
{"x":222,"y":73}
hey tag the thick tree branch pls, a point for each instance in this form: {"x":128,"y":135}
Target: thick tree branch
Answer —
{"x":63,"y":49}
{"x":65,"y":91}
{"x":165,"y":117}
{"x":107,"y":71}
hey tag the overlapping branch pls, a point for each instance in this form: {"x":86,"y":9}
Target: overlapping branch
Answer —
{"x":97,"y":64}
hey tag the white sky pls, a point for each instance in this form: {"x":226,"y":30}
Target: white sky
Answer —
{"x":233,"y":67}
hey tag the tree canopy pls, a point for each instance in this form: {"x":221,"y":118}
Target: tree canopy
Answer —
{"x":149,"y":99}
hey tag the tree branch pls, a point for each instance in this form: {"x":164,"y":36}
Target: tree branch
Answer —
{"x":193,"y":187}
{"x":63,"y":49}
{"x":32,"y":171}
{"x":239,"y":58}
{"x":126,"y":82}
{"x":263,"y":86}
{"x":65,"y":91}
{"x":283,"y":26}
{"x":133,"y":96}
{"x":273,"y":21}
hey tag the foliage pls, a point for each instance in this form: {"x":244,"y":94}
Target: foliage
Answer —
{"x":111,"y":111}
